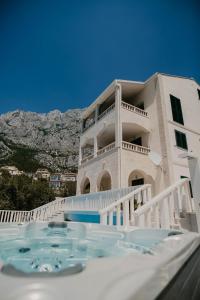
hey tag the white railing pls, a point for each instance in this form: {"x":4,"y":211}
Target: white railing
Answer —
{"x":134,"y":109}
{"x":88,"y":125}
{"x":48,"y":210}
{"x":93,"y":201}
{"x":106,"y":149}
{"x":9,"y":216}
{"x":97,"y":201}
{"x":123,"y":209}
{"x":41,"y":213}
{"x":135,"y":148}
{"x":165,"y":209}
{"x":108,"y":110}
{"x":87,"y":158}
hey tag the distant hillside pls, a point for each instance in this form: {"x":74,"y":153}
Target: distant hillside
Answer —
{"x":30,"y":140}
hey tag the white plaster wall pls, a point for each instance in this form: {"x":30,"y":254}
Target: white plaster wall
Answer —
{"x":94,"y":168}
{"x":148,"y":95}
{"x":186,"y":91}
{"x":132,"y":161}
{"x":134,"y":118}
{"x":180,"y":171}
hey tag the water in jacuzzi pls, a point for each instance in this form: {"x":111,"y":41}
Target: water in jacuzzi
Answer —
{"x":51,"y":247}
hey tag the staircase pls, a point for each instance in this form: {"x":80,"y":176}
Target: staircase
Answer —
{"x":54,"y":211}
{"x":134,"y":206}
{"x":171,"y":209}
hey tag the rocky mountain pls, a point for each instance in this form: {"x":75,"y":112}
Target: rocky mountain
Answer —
{"x":30,"y":140}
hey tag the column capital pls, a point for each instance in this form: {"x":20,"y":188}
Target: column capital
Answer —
{"x":118,"y":86}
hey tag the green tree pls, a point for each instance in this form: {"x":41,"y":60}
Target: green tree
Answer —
{"x":21,"y":193}
{"x":69,"y":189}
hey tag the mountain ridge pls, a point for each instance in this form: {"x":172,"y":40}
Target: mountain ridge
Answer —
{"x":31,"y":140}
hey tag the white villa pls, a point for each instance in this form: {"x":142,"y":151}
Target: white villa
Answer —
{"x":140,"y":132}
{"x":139,"y":141}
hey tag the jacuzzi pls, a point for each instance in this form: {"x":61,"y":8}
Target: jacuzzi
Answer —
{"x":90,"y":261}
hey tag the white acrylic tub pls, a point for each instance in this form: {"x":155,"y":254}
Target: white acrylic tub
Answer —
{"x":109,"y":264}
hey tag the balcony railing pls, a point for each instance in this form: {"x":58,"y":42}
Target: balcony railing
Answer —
{"x":135,"y":148}
{"x":134,"y":109}
{"x":125,"y":145}
{"x":108,"y":110}
{"x":106,"y":149}
{"x":90,"y":123}
{"x":124,"y":105}
{"x":85,"y":159}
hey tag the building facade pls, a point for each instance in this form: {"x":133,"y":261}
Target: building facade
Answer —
{"x":140,"y":132}
{"x":12,"y":170}
{"x":42,"y":174}
{"x":58,"y":180}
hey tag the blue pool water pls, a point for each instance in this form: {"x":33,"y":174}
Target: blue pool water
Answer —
{"x":83,"y":216}
{"x":53,"y":247}
{"x":86,"y":216}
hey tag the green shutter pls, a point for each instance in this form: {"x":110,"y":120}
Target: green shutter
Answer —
{"x":181,"y":140}
{"x":176,"y":110}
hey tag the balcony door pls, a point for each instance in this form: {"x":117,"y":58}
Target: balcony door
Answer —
{"x":137,"y":141}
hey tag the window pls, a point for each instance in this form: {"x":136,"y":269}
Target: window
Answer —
{"x":181,"y":140}
{"x":198,"y":91}
{"x":190,"y":185}
{"x":176,"y":110}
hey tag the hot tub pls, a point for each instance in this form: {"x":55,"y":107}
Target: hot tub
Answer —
{"x":89,"y":261}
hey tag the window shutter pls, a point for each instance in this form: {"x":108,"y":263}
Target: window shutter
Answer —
{"x":176,"y":110}
{"x":181,"y":140}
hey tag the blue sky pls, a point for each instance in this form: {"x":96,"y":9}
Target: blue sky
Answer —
{"x":59,"y":54}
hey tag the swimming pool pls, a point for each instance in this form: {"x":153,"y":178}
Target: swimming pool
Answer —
{"x":89,"y":261}
{"x":87,"y":216}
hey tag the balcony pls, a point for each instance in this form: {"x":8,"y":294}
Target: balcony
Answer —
{"x":125,"y":146}
{"x":87,"y":158}
{"x":131,"y":108}
{"x":88,"y":125}
{"x":106,"y":149}
{"x":134,"y":109}
{"x":107,"y":111}
{"x":135,"y":148}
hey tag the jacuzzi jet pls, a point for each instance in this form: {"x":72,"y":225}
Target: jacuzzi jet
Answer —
{"x":57,"y":225}
{"x":54,"y":245}
{"x":174,"y":233}
{"x":45,"y":268}
{"x":57,"y":228}
{"x":24,"y":250}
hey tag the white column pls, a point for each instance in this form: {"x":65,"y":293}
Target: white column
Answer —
{"x":95,"y":146}
{"x":96,"y":113}
{"x":118,"y":125}
{"x":80,"y":155}
{"x":118,"y":132}
{"x":82,"y":122}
